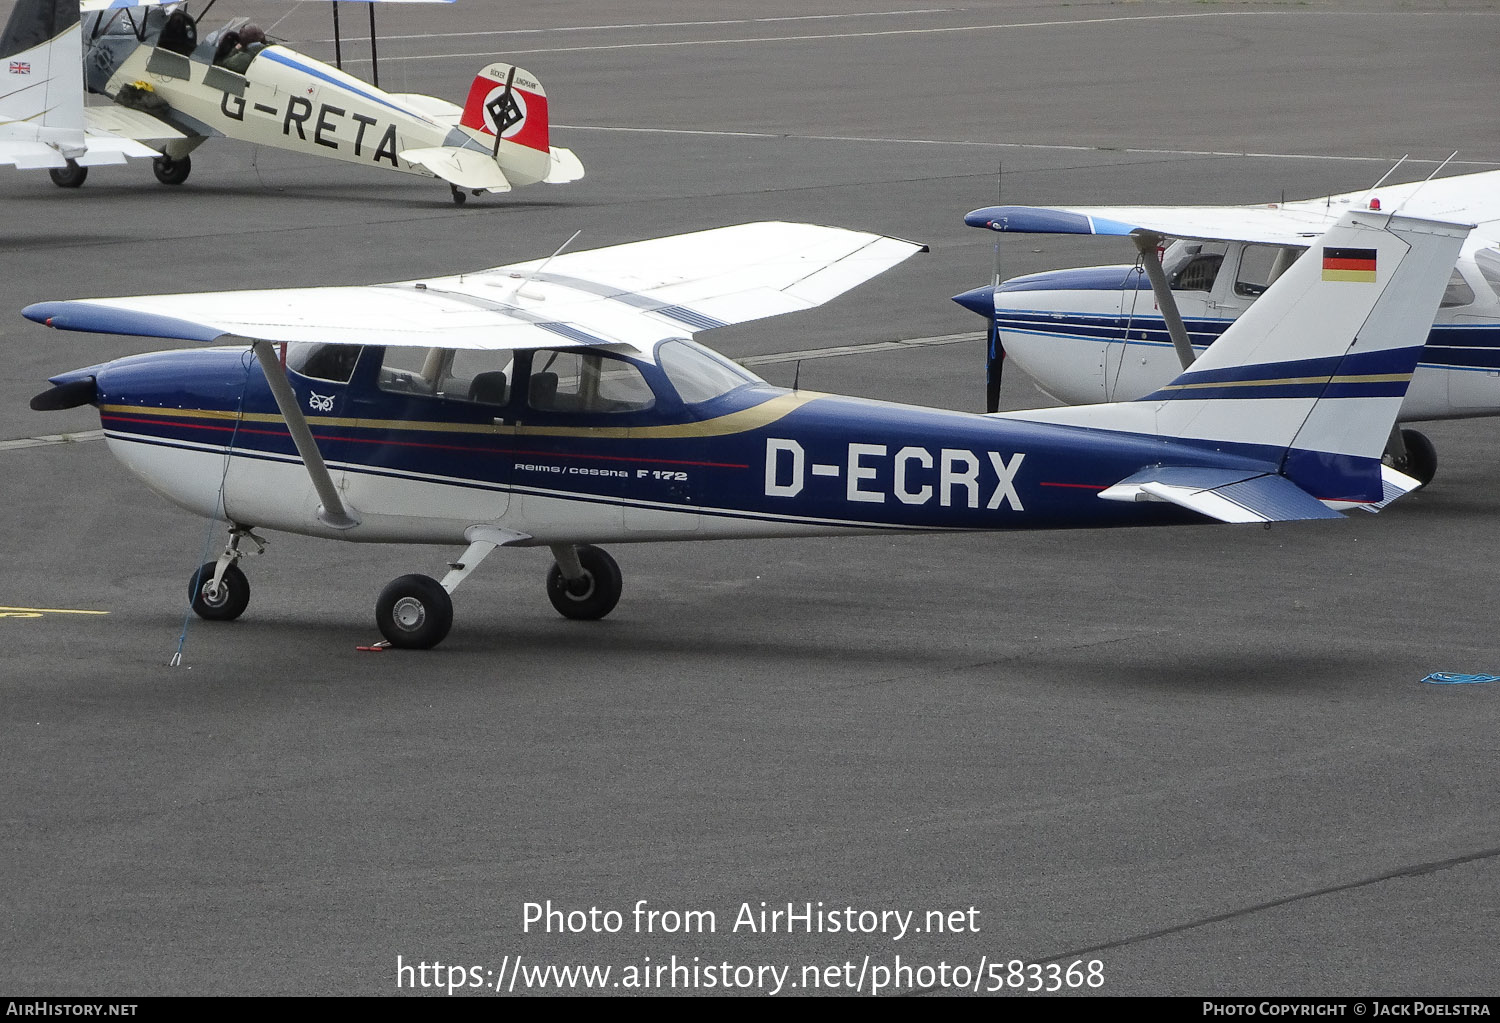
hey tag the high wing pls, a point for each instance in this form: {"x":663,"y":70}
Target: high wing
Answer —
{"x":1469,"y":198}
{"x":630,"y":295}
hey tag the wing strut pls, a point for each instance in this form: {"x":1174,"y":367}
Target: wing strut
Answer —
{"x":332,"y":513}
{"x":1145,"y":244}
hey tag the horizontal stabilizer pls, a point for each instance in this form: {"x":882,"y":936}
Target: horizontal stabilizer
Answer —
{"x":461,"y":167}
{"x":1228,"y":495}
{"x":125,"y":123}
{"x":1394,"y":484}
{"x":565,"y":167}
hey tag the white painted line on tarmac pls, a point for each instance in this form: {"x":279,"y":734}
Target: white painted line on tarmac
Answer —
{"x":835,"y":35}
{"x":885,"y":140}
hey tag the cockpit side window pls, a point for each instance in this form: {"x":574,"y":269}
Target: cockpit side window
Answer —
{"x":1199,"y":267}
{"x":698,"y":374}
{"x":322,"y":361}
{"x":579,"y":380}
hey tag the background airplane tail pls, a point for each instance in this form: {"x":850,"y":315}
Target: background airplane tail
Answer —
{"x":41,"y":84}
{"x":1310,"y":378}
{"x":507,"y":111}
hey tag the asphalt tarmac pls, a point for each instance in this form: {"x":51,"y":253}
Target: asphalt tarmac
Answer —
{"x":1202,"y":757}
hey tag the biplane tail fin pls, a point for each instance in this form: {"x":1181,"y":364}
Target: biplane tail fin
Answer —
{"x":507,"y":111}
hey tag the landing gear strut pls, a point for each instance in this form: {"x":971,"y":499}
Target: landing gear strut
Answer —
{"x":219,"y":591}
{"x":458,"y":196}
{"x":415,"y":612}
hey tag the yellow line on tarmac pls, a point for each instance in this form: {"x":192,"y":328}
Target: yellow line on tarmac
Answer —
{"x":50,"y":611}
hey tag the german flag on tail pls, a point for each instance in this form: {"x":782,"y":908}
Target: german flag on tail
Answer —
{"x":1349,"y":265}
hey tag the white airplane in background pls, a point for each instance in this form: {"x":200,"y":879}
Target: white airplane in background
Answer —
{"x":42,"y":123}
{"x":172,"y":91}
{"x":1116,"y":333}
{"x":561,"y":403}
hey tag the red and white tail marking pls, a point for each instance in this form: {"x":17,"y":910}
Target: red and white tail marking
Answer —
{"x":507,"y":101}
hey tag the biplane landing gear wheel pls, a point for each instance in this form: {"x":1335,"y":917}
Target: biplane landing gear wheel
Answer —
{"x":70,"y":176}
{"x":592,"y":595}
{"x":458,"y":196}
{"x":222,"y":603}
{"x":170,"y":171}
{"x":1420,"y":462}
{"x":414,"y":612}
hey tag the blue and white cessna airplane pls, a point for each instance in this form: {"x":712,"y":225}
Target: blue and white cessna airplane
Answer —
{"x":561,"y":402}
{"x":172,"y":91}
{"x":1115,"y":333}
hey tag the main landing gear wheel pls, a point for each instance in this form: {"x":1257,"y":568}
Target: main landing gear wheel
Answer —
{"x":414,"y":612}
{"x":1419,"y":460}
{"x":170,"y":171}
{"x":223,"y":603}
{"x":593,"y":596}
{"x":458,"y":196}
{"x":70,"y":176}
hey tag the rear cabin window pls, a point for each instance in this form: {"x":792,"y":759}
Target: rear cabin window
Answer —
{"x":587,"y":382}
{"x":699,"y":375}
{"x":483,"y":377}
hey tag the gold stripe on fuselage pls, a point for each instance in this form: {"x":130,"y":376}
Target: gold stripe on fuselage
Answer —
{"x":744,"y":420}
{"x":1373,"y":378}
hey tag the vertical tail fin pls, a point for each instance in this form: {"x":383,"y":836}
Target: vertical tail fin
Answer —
{"x":1310,"y":378}
{"x":41,"y":84}
{"x":507,"y":110}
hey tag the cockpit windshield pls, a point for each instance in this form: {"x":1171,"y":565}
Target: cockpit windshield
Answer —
{"x":698,"y":374}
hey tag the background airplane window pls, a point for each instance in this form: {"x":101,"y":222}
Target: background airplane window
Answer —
{"x":1458,"y":292}
{"x":582,"y":381}
{"x":699,"y":375}
{"x":1488,"y":261}
{"x":1256,"y":262}
{"x":1200,"y":269}
{"x":322,"y":361}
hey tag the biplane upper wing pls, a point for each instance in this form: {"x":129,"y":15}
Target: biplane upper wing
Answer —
{"x":630,"y":295}
{"x":1470,"y":198}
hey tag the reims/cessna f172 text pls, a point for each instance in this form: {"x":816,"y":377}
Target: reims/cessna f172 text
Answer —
{"x":561,"y":402}
{"x":173,"y":91}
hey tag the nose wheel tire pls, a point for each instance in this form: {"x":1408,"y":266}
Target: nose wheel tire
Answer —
{"x":414,"y":612}
{"x":593,"y":596}
{"x":223,"y":603}
{"x":70,"y":176}
{"x":170,"y":171}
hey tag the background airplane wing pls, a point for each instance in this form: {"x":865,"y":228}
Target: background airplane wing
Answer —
{"x":630,"y":295}
{"x":1471,"y":198}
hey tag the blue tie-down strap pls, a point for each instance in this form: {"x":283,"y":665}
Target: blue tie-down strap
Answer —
{"x":1449,"y":678}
